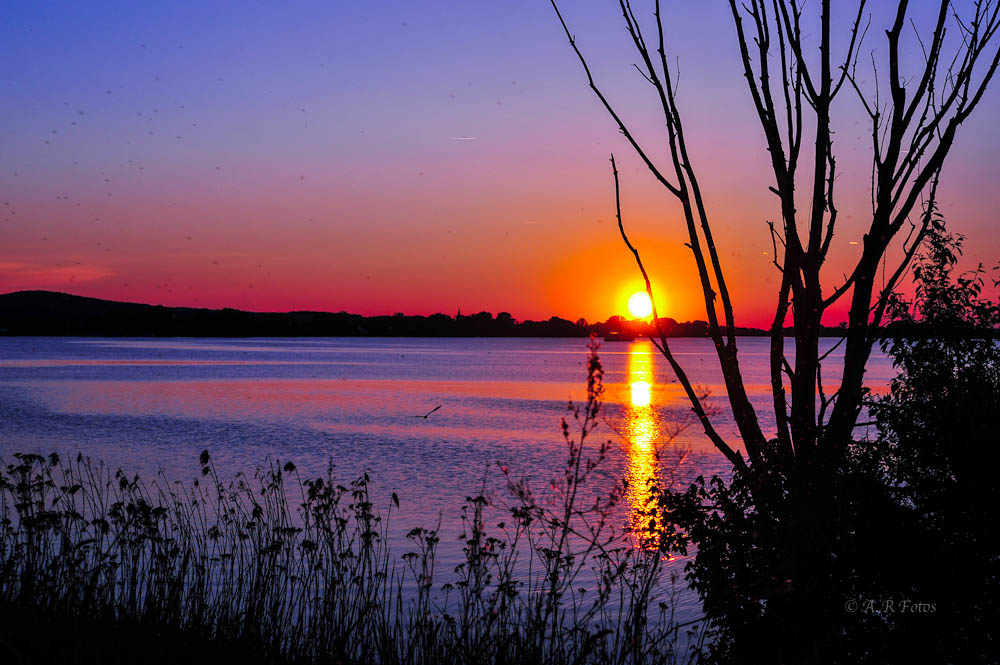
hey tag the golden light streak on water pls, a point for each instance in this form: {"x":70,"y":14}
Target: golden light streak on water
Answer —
{"x":641,"y":393}
{"x":642,"y":431}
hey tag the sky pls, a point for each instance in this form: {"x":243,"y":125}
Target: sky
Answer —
{"x":383,"y":157}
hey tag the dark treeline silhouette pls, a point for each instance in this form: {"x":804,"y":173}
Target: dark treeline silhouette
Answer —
{"x":50,"y":313}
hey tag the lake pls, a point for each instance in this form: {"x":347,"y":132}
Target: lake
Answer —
{"x":150,"y":405}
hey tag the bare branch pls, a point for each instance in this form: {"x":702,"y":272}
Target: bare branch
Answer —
{"x":831,"y":349}
{"x":664,"y":346}
{"x":855,"y":42}
{"x":778,"y":362}
{"x":673,"y":189}
{"x":930,"y":209}
{"x":831,"y":206}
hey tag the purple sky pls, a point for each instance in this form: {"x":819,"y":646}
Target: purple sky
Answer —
{"x":394,"y":156}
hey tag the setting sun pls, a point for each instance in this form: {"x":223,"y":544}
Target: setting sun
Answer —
{"x":639,"y":305}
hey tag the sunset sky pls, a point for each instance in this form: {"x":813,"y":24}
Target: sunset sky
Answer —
{"x":416,"y":156}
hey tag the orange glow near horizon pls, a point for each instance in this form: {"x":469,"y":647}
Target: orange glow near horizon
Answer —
{"x":598,"y":280}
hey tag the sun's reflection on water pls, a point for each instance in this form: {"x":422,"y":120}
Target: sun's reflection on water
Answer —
{"x":642,"y":431}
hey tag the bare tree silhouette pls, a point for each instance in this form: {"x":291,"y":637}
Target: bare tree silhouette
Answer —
{"x":912,"y":129}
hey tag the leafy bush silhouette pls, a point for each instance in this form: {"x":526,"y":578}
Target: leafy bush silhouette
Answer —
{"x":883,"y":553}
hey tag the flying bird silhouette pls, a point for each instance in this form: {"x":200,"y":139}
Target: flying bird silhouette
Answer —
{"x":429,"y":412}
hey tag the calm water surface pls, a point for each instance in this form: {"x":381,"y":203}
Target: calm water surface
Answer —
{"x":150,"y":405}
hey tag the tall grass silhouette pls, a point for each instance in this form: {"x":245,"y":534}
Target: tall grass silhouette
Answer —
{"x":300,"y":570}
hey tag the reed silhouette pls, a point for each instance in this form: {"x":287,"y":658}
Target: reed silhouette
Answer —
{"x":271,"y":567}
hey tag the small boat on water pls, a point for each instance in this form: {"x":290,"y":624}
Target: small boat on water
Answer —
{"x":615,"y":336}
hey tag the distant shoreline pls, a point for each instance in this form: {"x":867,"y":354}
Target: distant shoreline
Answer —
{"x":52,"y":314}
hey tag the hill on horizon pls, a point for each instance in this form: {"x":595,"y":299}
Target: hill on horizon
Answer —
{"x":52,"y":313}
